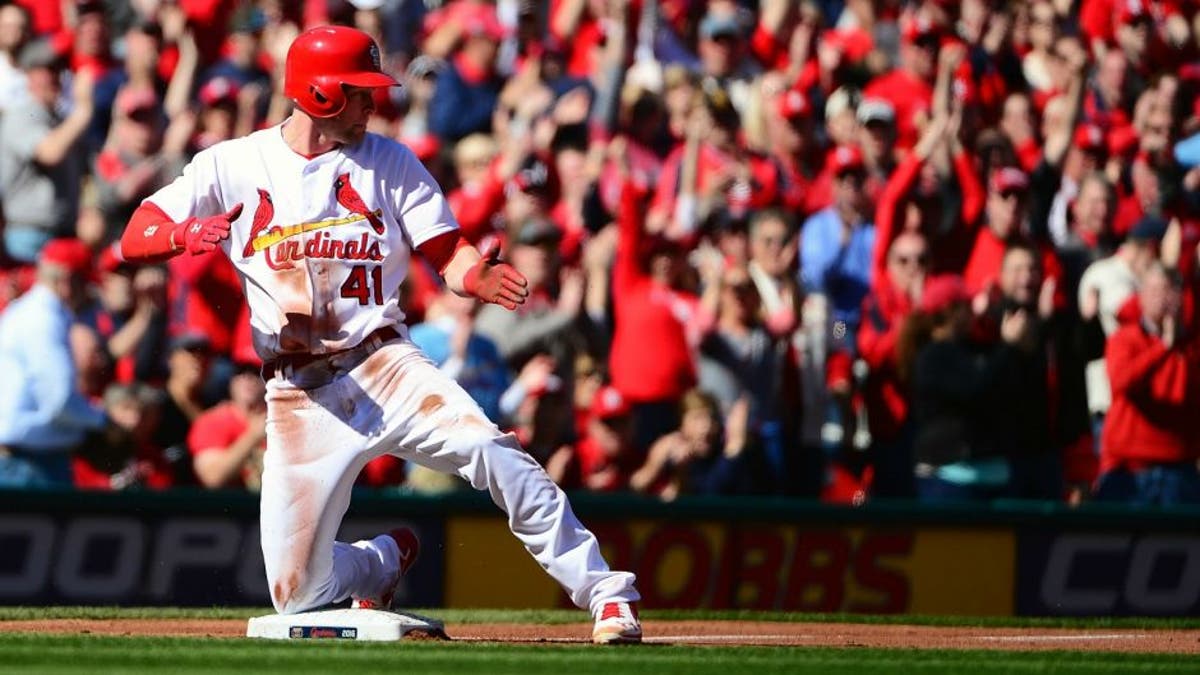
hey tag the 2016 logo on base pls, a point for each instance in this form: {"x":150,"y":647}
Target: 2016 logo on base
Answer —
{"x":322,"y":632}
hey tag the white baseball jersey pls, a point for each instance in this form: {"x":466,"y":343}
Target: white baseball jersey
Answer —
{"x":322,"y":244}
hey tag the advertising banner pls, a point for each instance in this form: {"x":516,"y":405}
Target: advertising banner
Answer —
{"x":774,"y":567}
{"x":164,"y":559}
{"x":1108,"y":573}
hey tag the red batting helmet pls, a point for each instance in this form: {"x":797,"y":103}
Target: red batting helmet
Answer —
{"x":321,"y":60}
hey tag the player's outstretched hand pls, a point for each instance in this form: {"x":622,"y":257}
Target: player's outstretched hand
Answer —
{"x":493,"y":281}
{"x":202,"y":235}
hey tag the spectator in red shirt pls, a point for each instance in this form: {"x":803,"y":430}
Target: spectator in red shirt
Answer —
{"x":141,"y":156}
{"x":909,"y":88}
{"x":885,"y":395}
{"x":1006,"y":210}
{"x":710,"y":170}
{"x":912,"y":200}
{"x":479,"y":197}
{"x":227,"y":442}
{"x":657,"y":330}
{"x":1019,"y":127}
{"x":1151,"y":440}
{"x":606,"y":456}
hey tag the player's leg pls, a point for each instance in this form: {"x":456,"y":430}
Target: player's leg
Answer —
{"x":434,"y":423}
{"x":314,"y":452}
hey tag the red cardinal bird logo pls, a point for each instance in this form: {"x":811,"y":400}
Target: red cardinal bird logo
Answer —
{"x":263,"y":215}
{"x":348,"y":197}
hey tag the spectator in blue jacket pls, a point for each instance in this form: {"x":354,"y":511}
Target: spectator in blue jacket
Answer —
{"x":467,"y":91}
{"x":837,"y":244}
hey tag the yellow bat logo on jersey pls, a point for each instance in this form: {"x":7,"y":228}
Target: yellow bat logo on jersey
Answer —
{"x":277,"y":234}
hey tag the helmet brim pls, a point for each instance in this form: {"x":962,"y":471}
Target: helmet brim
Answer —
{"x":369,"y":80}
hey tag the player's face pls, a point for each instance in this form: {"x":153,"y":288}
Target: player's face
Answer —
{"x":350,"y":125}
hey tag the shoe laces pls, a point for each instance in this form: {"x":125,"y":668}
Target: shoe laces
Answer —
{"x":612,"y":610}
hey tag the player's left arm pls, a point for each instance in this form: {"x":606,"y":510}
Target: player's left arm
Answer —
{"x":469,"y":273}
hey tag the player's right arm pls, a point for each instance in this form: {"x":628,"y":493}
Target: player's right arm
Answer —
{"x":166,"y":223}
{"x":151,"y":236}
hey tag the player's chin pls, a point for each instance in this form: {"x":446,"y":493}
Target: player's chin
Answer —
{"x":354,"y":134}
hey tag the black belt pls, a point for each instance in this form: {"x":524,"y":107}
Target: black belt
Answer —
{"x":296,"y":361}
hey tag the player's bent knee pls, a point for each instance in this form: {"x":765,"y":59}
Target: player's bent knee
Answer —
{"x":487,"y":455}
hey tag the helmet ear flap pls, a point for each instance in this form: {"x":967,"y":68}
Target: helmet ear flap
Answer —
{"x":324,"y":100}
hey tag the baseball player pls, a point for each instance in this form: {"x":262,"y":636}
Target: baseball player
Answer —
{"x":320,"y":217}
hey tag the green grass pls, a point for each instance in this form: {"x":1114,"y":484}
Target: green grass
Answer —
{"x":561,"y":616}
{"x":94,"y":654}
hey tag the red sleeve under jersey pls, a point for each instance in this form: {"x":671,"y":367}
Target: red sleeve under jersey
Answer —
{"x":148,"y":236}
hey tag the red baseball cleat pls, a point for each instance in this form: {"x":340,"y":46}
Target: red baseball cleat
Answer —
{"x":617,"y":623}
{"x":410,"y":548}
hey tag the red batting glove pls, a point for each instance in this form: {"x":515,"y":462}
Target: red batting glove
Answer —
{"x":201,"y":235}
{"x":493,"y":281}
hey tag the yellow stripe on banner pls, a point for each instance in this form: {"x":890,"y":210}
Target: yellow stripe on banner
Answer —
{"x":486,"y":566}
{"x":963,"y":572}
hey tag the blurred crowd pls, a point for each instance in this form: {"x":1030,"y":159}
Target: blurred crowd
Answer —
{"x":838,"y":249}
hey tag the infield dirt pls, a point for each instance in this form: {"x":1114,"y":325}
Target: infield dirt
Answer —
{"x":705,"y":633}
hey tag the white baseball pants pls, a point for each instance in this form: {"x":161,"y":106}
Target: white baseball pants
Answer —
{"x":326,"y":420}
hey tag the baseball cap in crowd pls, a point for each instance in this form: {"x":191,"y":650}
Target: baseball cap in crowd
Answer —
{"x":794,"y":105}
{"x":218,"y":90}
{"x":248,"y":19}
{"x":132,"y":100}
{"x":482,"y":21}
{"x":367,"y":5}
{"x":40,"y":54}
{"x":535,"y":177}
{"x":719,"y":24}
{"x":189,"y":341}
{"x":854,"y":44}
{"x":1008,"y":179}
{"x":608,"y":403}
{"x":919,"y":27}
{"x":1149,"y":228}
{"x":536,"y":231}
{"x":68,"y":253}
{"x":876,"y":110}
{"x":845,"y":159}
{"x":1123,"y":141}
{"x":942,"y":291}
{"x":841,"y":100}
{"x":425,"y":65}
{"x":1187,"y":151}
{"x":1090,"y":138}
{"x":1131,"y":11}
